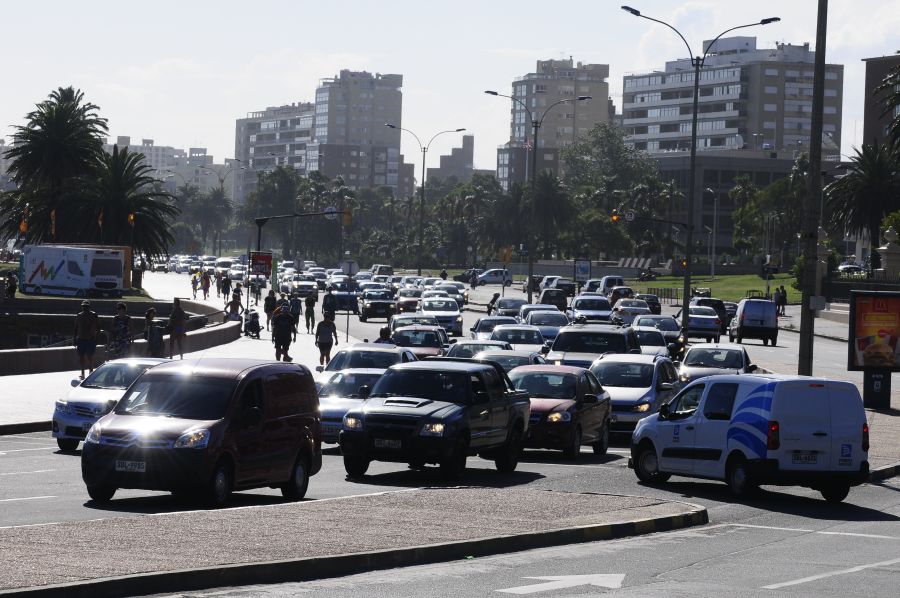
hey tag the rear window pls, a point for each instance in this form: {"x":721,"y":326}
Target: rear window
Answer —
{"x":548,"y":318}
{"x":590,"y":342}
{"x":592,"y":304}
{"x":346,"y":384}
{"x":542,"y":384}
{"x":714,"y":358}
{"x":449,"y":387}
{"x":510,"y":303}
{"x":703,"y":311}
{"x":627,"y":375}
{"x":650,"y":338}
{"x":519,"y":337}
{"x":439,"y":305}
{"x":489,"y":325}
{"x":416,"y":338}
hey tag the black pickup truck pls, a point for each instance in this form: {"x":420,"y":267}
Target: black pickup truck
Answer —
{"x":439,"y":412}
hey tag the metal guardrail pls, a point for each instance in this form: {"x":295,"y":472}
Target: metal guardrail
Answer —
{"x":666,"y":294}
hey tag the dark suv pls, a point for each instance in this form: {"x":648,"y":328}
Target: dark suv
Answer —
{"x":581,"y":344}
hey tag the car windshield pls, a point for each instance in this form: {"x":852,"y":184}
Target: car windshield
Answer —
{"x":448,"y":387}
{"x":516,"y":336}
{"x":187,"y":397}
{"x":468,"y":349}
{"x":449,"y":289}
{"x":416,"y":338}
{"x":378,"y":295}
{"x":414,"y":321}
{"x":346,"y":384}
{"x":507,"y":362}
{"x":702,"y":311}
{"x":343,"y":286}
{"x":667,"y":324}
{"x":597,"y":304}
{"x":714,"y":358}
{"x":590,"y":342}
{"x":545,"y":385}
{"x":628,"y":375}
{"x":649,"y":338}
{"x":114,"y":375}
{"x":351,"y":358}
{"x":440,"y":305}
{"x":548,"y":319}
{"x":488,"y":325}
{"x":510,"y":303}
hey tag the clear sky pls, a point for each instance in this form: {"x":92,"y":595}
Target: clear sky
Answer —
{"x":181,"y":72}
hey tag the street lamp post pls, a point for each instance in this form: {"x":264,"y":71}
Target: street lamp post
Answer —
{"x":424,"y":149}
{"x":712,"y":261}
{"x":535,"y":127}
{"x":697,"y":62}
{"x":709,"y":249}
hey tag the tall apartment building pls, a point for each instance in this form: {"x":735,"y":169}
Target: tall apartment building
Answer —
{"x":749,"y":98}
{"x":875,"y":122}
{"x":459,"y":163}
{"x":158,"y":157}
{"x":552,"y":81}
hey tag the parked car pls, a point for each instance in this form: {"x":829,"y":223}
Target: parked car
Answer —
{"x":569,"y":408}
{"x":703,"y":322}
{"x":713,"y":360}
{"x":508,"y":306}
{"x":755,"y":318}
{"x":556,"y":297}
{"x":626,"y":310}
{"x":92,"y":398}
{"x":483,"y":327}
{"x":522,"y":337}
{"x":368,"y":355}
{"x":548,"y":322}
{"x":753,"y":430}
{"x":581,"y":344}
{"x":495,"y":276}
{"x":637,"y":384}
{"x":510,"y":360}
{"x":423,"y":341}
{"x":469,"y":348}
{"x":210,"y":432}
{"x":339,"y":394}
{"x":590,"y":308}
{"x":445,"y":311}
{"x":431,"y":412}
{"x":652,"y":302}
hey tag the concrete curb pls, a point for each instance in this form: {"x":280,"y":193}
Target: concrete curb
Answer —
{"x":828,"y":336}
{"x":295,"y":570}
{"x":25,"y":427}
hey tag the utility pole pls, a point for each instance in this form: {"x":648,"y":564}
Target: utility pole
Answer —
{"x":814,"y":189}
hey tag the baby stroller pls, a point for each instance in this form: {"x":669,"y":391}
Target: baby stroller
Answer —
{"x":251,"y":323}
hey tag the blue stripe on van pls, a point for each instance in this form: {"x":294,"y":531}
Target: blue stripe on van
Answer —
{"x":749,"y":422}
{"x":755,"y":445}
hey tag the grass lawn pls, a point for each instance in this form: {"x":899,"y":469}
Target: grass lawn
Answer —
{"x":728,"y":288}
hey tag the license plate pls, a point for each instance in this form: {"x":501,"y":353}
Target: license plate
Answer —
{"x":131,"y":466}
{"x":388,"y":443}
{"x":804,"y":458}
{"x":331,"y":428}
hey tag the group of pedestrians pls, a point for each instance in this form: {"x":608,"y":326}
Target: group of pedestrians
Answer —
{"x":203,"y":281}
{"x":283,"y":316}
{"x":779,"y":297}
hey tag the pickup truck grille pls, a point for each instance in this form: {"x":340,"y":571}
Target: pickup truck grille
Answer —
{"x":388,"y":422}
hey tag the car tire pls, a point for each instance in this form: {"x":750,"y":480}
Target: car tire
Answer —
{"x":646,"y":466}
{"x":775,"y":340}
{"x":738,"y":478}
{"x":101,"y":493}
{"x":835,"y":493}
{"x":454,"y":466}
{"x":602,"y":444}
{"x":508,"y":456}
{"x":67,"y":445}
{"x":765,"y":342}
{"x":572,"y":451}
{"x":296,"y":487}
{"x":220,"y":485}
{"x":356,"y":467}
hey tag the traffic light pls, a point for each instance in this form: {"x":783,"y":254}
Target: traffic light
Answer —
{"x":131,"y":219}
{"x":615,"y":216}
{"x":684,"y":263}
{"x":347,"y":217}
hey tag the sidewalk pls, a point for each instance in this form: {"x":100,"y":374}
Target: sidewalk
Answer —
{"x":322,"y":538}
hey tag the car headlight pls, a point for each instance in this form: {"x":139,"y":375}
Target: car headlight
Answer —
{"x":642,"y":407}
{"x":367,"y":304}
{"x":459,"y":320}
{"x":559,"y":416}
{"x":193,"y":439}
{"x":432,"y":429}
{"x":63,"y":407}
{"x":93,"y":435}
{"x":352,"y":422}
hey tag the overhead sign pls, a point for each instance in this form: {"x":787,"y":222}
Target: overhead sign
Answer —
{"x":874,"y":339}
{"x":331,"y":212}
{"x":261,"y":263}
{"x":561,"y":582}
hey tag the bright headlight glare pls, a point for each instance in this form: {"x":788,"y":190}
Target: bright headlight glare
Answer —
{"x":459,"y":319}
{"x":93,"y":435}
{"x":433,"y":429}
{"x":559,"y":416}
{"x":193,"y":439}
{"x":641,"y":407}
{"x":352,"y":422}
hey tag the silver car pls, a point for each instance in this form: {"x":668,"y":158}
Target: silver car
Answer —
{"x":94,"y":397}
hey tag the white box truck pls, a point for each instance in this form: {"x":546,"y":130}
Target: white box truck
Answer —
{"x":71,"y":270}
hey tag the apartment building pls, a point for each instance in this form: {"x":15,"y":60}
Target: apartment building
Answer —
{"x":749,"y":98}
{"x":459,"y":163}
{"x":552,"y":81}
{"x":158,"y":157}
{"x":875,"y":121}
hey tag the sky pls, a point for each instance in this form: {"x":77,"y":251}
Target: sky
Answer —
{"x":180,"y":73}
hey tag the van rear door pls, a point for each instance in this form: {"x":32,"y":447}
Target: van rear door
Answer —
{"x":802,"y":410}
{"x":847,"y":420}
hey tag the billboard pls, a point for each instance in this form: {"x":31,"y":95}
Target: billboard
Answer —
{"x":582,"y":270}
{"x":261,"y":263}
{"x":874,"y":341}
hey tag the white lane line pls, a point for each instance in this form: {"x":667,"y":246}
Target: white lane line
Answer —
{"x":26,"y":498}
{"x":856,"y":569}
{"x":27,"y":472}
{"x":23,"y":450}
{"x":27,"y":443}
{"x":26,"y":437}
{"x":809,"y":531}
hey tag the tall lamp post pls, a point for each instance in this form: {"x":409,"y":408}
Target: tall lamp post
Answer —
{"x":535,"y":126}
{"x":697,"y":62}
{"x":712,"y":260}
{"x":424,"y":149}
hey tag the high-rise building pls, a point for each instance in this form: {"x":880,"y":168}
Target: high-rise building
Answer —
{"x":749,"y":99}
{"x":158,"y":157}
{"x":458,"y":164}
{"x":552,"y":81}
{"x":875,"y":121}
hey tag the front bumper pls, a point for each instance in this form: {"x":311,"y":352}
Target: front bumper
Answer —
{"x":165,"y":469}
{"x":623,"y":420}
{"x":74,"y":427}
{"x":546,"y":435}
{"x":413,"y":448}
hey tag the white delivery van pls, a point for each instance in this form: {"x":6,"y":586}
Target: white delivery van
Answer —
{"x":223,"y":265}
{"x":756,"y":429}
{"x":67,"y":270}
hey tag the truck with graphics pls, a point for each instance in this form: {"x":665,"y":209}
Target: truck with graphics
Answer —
{"x":72,"y":270}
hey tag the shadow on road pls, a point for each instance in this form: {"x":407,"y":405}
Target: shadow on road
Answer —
{"x":167,"y":503}
{"x":431,"y":478}
{"x":548,"y":457}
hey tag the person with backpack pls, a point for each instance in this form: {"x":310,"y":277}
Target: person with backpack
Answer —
{"x":311,"y":301}
{"x":282,"y":327}
{"x":325,"y":330}
{"x":296,"y":310}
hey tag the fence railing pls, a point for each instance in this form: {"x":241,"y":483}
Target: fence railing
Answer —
{"x":666,"y":295}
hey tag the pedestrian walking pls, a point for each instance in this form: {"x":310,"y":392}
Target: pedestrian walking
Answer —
{"x":194,"y":281}
{"x":443,"y":274}
{"x":204,"y":285}
{"x":12,"y":283}
{"x":282,"y":329}
{"x":153,"y":334}
{"x":296,"y":311}
{"x":776,"y":299}
{"x":311,"y":301}
{"x":177,"y":328}
{"x":226,"y":287}
{"x":218,"y":284}
{"x":121,"y":332}
{"x":87,"y":327}
{"x":255,"y":290}
{"x":325,"y":330}
{"x":269,"y":307}
{"x":784,"y":300}
{"x":329,"y":304}
{"x":473,"y":279}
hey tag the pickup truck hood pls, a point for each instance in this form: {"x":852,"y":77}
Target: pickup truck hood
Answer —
{"x":545,"y":405}
{"x":410,"y":406}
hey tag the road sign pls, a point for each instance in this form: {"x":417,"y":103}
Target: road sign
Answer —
{"x":331,"y":212}
{"x":629,"y":215}
{"x":349,"y":267}
{"x":560,"y":582}
{"x":261,"y":263}
{"x":582,"y":270}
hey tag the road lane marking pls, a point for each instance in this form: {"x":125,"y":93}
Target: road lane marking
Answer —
{"x":560,"y":582}
{"x":27,"y":472}
{"x":3,"y":452}
{"x":809,"y":531}
{"x":26,"y":498}
{"x":856,"y":569}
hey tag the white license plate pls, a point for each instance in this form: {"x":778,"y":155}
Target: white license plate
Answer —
{"x":131,"y":466}
{"x":388,"y":443}
{"x":804,"y":458}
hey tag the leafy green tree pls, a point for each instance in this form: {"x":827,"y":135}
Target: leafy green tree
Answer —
{"x":552,"y":210}
{"x":276,"y":194}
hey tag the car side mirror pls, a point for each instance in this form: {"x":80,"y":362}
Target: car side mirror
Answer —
{"x":482,"y":397}
{"x":545,"y":349}
{"x":452,"y":341}
{"x":752,"y":367}
{"x":664,"y":411}
{"x":75,"y":382}
{"x":665,"y":386}
{"x":590,"y":400}
{"x":320,"y":369}
{"x":364,"y":391}
{"x":472,"y":329}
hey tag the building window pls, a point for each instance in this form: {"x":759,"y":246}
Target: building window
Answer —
{"x":830,"y":93}
{"x":830,"y":110}
{"x":772,"y":72}
{"x":770,"y":107}
{"x":768,"y":124}
{"x":771,"y":89}
{"x":831,"y":75}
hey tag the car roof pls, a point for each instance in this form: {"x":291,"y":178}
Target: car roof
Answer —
{"x":549,"y":367}
{"x":593,"y":328}
{"x":528,"y":327}
{"x":379,"y":347}
{"x":628,"y":358}
{"x":221,"y":367}
{"x":505,"y":353}
{"x":444,"y":365}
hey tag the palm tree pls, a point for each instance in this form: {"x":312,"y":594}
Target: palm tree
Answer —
{"x":859,"y":201}
{"x":552,"y":209}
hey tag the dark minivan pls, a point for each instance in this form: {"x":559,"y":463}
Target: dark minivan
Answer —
{"x":206,"y":427}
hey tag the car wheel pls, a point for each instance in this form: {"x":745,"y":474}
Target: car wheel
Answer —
{"x":296,"y":487}
{"x":738,"y":478}
{"x":101,"y":493}
{"x":835,"y":493}
{"x":765,"y":342}
{"x":646,"y":466}
{"x":774,"y":340}
{"x":508,"y":457}
{"x":355,"y":467}
{"x":67,"y":445}
{"x":602,"y":444}
{"x":454,"y":466}
{"x":574,"y":449}
{"x":220,"y":485}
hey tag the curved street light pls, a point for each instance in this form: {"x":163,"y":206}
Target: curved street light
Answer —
{"x":424,"y":149}
{"x":697,"y":62}
{"x":535,"y":125}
